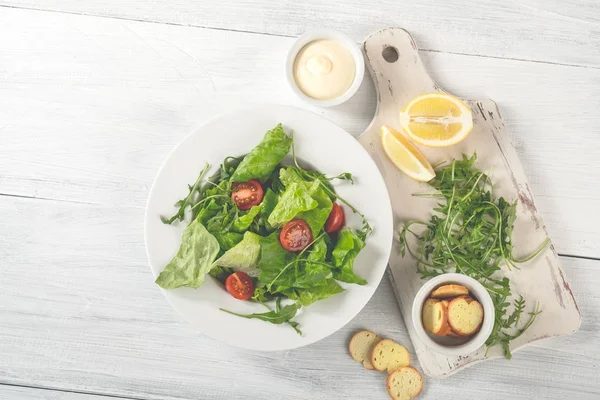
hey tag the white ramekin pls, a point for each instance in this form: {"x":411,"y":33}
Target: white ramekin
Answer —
{"x":445,"y":345}
{"x":329,"y":34}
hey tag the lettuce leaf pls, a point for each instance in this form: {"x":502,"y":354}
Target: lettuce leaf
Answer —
{"x":243,"y":256}
{"x":346,"y":249}
{"x":242,"y":223}
{"x":307,"y":279}
{"x":313,"y":270}
{"x":294,"y":200}
{"x":272,"y":264}
{"x":193,"y":260}
{"x":317,"y":215}
{"x":323,"y":290}
{"x":268,"y":204}
{"x":291,"y":175}
{"x":329,"y":288}
{"x":318,"y":251}
{"x":226,"y":239}
{"x":264,"y":158}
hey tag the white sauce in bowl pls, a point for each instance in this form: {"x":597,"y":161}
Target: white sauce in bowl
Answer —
{"x":324,"y":69}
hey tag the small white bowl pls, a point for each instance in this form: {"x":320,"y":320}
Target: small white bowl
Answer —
{"x":446,"y":345}
{"x":327,"y":34}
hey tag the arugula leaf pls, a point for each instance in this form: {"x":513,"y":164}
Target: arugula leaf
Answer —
{"x":219,"y":223}
{"x":222,"y":175}
{"x":206,"y":213}
{"x":295,"y":325}
{"x":218,"y":214}
{"x":261,"y":295}
{"x":243,"y":256}
{"x":294,"y":200}
{"x":345,"y":176}
{"x":346,"y":249}
{"x":274,"y":182}
{"x":242,"y":223}
{"x":193,"y":260}
{"x":188,"y":201}
{"x":262,"y":160}
{"x":214,"y":197}
{"x":228,"y":167}
{"x":281,"y":316}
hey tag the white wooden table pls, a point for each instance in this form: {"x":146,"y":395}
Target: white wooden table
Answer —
{"x":93,"y":96}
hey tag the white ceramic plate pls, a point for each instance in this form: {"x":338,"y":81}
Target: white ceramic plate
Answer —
{"x":322,"y":145}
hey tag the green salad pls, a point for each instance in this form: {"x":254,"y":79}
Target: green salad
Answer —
{"x":267,"y":231}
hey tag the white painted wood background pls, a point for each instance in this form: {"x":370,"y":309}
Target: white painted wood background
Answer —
{"x":93,"y":96}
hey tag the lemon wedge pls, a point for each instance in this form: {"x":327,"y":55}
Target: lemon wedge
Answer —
{"x":405,"y":155}
{"x":436,"y":120}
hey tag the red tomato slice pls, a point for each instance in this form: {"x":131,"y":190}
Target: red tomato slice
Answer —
{"x":246,"y":194}
{"x":239,"y":285}
{"x":335,"y":220}
{"x":295,"y":235}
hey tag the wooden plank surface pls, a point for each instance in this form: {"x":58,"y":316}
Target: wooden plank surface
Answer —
{"x":9,"y":392}
{"x":555,"y":31}
{"x":87,"y":317}
{"x":90,"y":107}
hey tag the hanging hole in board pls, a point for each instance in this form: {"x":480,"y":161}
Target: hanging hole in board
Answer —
{"x":390,"y":54}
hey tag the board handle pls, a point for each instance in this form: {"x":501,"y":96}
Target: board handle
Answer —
{"x":393,"y":60}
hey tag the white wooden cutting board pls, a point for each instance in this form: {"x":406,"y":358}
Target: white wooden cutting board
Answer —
{"x":541,"y":279}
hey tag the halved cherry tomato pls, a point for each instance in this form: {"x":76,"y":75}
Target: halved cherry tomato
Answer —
{"x":239,"y":285}
{"x":295,"y":235}
{"x":335,"y":220}
{"x":246,"y":194}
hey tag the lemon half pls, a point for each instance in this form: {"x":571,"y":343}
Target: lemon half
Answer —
{"x":436,"y":120}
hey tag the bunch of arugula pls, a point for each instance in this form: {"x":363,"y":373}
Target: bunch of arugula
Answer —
{"x":221,"y":238}
{"x":470,"y":233}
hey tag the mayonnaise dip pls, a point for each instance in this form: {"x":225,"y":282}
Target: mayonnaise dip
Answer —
{"x":324,"y":69}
